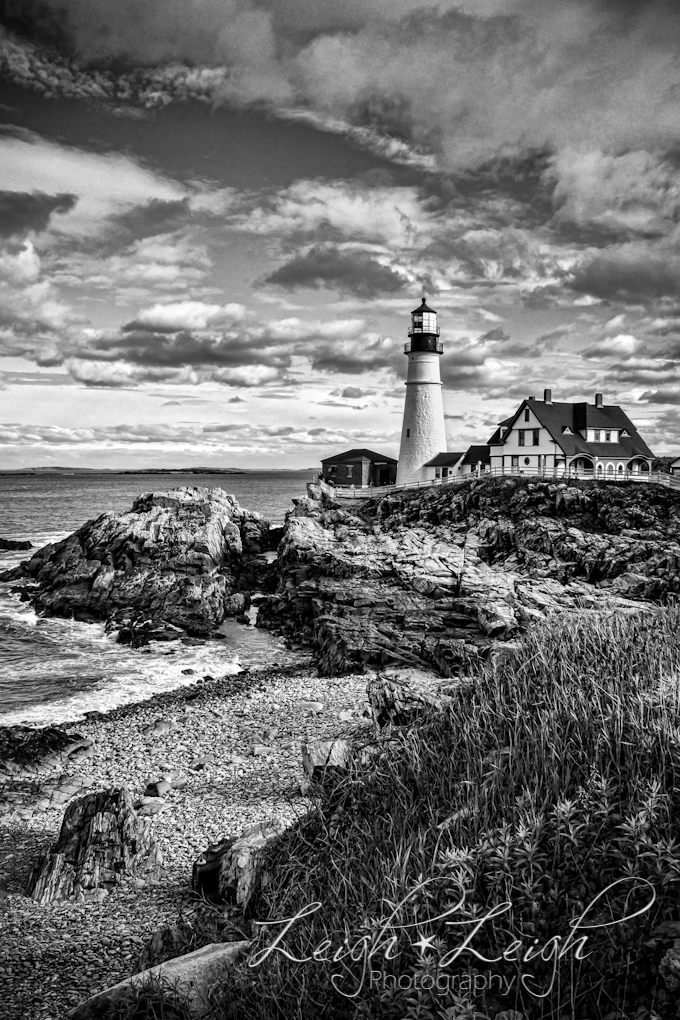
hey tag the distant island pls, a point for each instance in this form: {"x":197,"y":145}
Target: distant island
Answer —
{"x":144,"y":471}
{"x":122,"y":471}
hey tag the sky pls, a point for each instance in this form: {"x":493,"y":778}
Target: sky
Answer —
{"x":217,"y":215}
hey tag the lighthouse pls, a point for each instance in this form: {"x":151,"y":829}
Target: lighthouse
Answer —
{"x":423,"y":434}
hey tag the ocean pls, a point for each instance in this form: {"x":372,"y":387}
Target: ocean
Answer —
{"x":54,"y":671}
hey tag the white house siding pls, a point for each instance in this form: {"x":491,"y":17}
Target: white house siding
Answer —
{"x":547,"y":449}
{"x":423,"y":433}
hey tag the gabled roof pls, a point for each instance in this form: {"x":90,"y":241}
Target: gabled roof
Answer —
{"x":556,"y":415}
{"x":358,"y":454}
{"x":496,"y":437}
{"x":444,"y":459}
{"x":478,"y":454}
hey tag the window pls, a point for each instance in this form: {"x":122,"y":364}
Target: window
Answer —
{"x":596,"y":436}
{"x":527,"y":414}
{"x":527,"y":460}
{"x":607,"y":437}
{"x":515,"y":462}
{"x":408,"y":433}
{"x":350,"y":470}
{"x":521,"y":439}
{"x":536,"y":437}
{"x":333,"y":469}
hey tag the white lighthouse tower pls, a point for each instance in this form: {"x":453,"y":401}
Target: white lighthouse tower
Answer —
{"x":423,"y":434}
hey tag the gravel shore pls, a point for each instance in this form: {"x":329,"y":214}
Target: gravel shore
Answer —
{"x":236,"y":740}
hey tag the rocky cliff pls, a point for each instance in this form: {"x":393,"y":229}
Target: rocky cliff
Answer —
{"x":441,"y":577}
{"x":177,"y":563}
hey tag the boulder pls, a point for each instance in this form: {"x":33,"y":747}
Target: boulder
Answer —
{"x":13,"y":543}
{"x":321,"y":758}
{"x":242,"y":870}
{"x":101,"y":843}
{"x":400,"y":699}
{"x":170,"y":566}
{"x":187,"y":982}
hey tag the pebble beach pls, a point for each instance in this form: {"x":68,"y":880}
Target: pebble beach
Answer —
{"x":232,"y":745}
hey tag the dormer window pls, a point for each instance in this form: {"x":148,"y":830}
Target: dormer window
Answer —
{"x":596,"y":436}
{"x":566,"y":431}
{"x":607,"y":437}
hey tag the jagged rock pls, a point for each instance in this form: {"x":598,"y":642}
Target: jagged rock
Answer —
{"x":175,"y":563}
{"x":400,"y":699}
{"x":102,"y":841}
{"x":27,"y":751}
{"x":242,"y":872}
{"x":234,"y":870}
{"x":187,"y":980}
{"x":325,"y":757}
{"x":435,"y":579}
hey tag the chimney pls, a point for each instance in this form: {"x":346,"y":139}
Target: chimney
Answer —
{"x":598,"y":400}
{"x":547,"y":396}
{"x":531,"y":398}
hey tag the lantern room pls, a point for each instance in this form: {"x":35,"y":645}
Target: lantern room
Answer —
{"x":424,"y":331}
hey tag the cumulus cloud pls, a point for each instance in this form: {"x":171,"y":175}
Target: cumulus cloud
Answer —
{"x":623,"y":344}
{"x":355,"y":393}
{"x":181,"y":315}
{"x":346,"y":210}
{"x":20,"y":265}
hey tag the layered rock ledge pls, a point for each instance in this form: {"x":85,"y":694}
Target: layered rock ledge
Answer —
{"x":177,"y":563}
{"x":438,"y":578}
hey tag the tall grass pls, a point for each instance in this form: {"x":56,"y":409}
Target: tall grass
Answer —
{"x":550,"y":784}
{"x":547,"y":790}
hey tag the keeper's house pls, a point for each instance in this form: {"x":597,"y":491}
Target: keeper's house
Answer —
{"x":547,"y":435}
{"x":359,"y":468}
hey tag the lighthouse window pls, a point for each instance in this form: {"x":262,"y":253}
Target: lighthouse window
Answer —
{"x":408,"y":433}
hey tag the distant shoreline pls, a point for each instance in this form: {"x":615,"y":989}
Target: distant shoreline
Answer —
{"x":144,"y":471}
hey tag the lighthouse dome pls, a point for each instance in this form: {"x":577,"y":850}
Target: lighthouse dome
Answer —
{"x":422,"y":307}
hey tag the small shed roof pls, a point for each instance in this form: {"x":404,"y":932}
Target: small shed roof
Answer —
{"x":359,"y":454}
{"x":477,"y":454}
{"x":445,"y":459}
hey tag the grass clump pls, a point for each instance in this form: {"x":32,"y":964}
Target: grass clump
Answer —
{"x":546,"y":792}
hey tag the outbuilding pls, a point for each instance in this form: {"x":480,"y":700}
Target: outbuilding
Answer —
{"x":360,"y":468}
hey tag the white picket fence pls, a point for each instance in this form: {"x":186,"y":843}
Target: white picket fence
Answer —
{"x":350,"y":493}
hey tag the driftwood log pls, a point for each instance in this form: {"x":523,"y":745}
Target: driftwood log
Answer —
{"x":102,"y":841}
